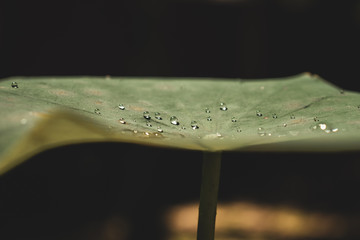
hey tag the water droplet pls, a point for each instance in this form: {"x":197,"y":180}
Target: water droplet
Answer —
{"x":146,"y":115}
{"x":159,"y":129}
{"x":261,"y":132}
{"x":97,"y":111}
{"x":183,"y":128}
{"x":121,"y":107}
{"x":274,"y":115}
{"x":233,"y":119}
{"x":316,"y":119}
{"x":258,"y":113}
{"x":342,"y":91}
{"x":322,"y":126}
{"x":313,"y":127}
{"x":158,"y":116}
{"x":174,"y":120}
{"x":122,"y":121}
{"x":285,"y":125}
{"x":194,"y":125}
{"x":158,"y":134}
{"x":14,"y":85}
{"x":292,"y":116}
{"x":238,"y":130}
{"x":209,"y":118}
{"x":207,"y":110}
{"x":148,"y":124}
{"x":223,"y":106}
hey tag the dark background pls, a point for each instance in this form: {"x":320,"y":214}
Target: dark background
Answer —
{"x":63,"y":190}
{"x":192,"y":38}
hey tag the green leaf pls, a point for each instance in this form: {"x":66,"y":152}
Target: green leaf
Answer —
{"x":298,"y":113}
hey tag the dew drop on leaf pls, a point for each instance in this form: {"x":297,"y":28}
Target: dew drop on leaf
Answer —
{"x":274,"y":115}
{"x":322,"y":126}
{"x":233,"y":119}
{"x":207,"y":110}
{"x":292,"y":116}
{"x":223,"y":106}
{"x":261,"y":132}
{"x":146,"y":115}
{"x":194,"y":125}
{"x":97,"y":111}
{"x":314,"y":127}
{"x":335,"y":130}
{"x":209,"y":119}
{"x":121,"y":107}
{"x":158,"y":116}
{"x":174,"y":120}
{"x":159,"y":129}
{"x":122,"y":121}
{"x":148,"y":124}
{"x":258,"y":113}
{"x":14,"y":85}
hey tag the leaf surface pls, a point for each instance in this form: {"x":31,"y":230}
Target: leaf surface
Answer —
{"x":301,"y":113}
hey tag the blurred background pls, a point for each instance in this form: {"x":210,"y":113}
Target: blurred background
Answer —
{"x":117,"y":191}
{"x":191,"y":38}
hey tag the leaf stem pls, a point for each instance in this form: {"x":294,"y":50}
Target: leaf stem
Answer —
{"x":208,"y":195}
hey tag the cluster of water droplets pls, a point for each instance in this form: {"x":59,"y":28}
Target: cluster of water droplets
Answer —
{"x":223,"y":106}
{"x":154,"y":117}
{"x":323,"y":127}
{"x":97,"y":111}
{"x":262,"y":133}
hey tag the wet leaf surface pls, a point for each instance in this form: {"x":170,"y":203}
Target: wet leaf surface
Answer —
{"x":301,"y":113}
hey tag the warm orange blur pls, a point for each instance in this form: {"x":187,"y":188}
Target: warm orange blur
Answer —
{"x":237,"y":220}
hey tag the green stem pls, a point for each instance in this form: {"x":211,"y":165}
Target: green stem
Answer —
{"x":208,"y":195}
